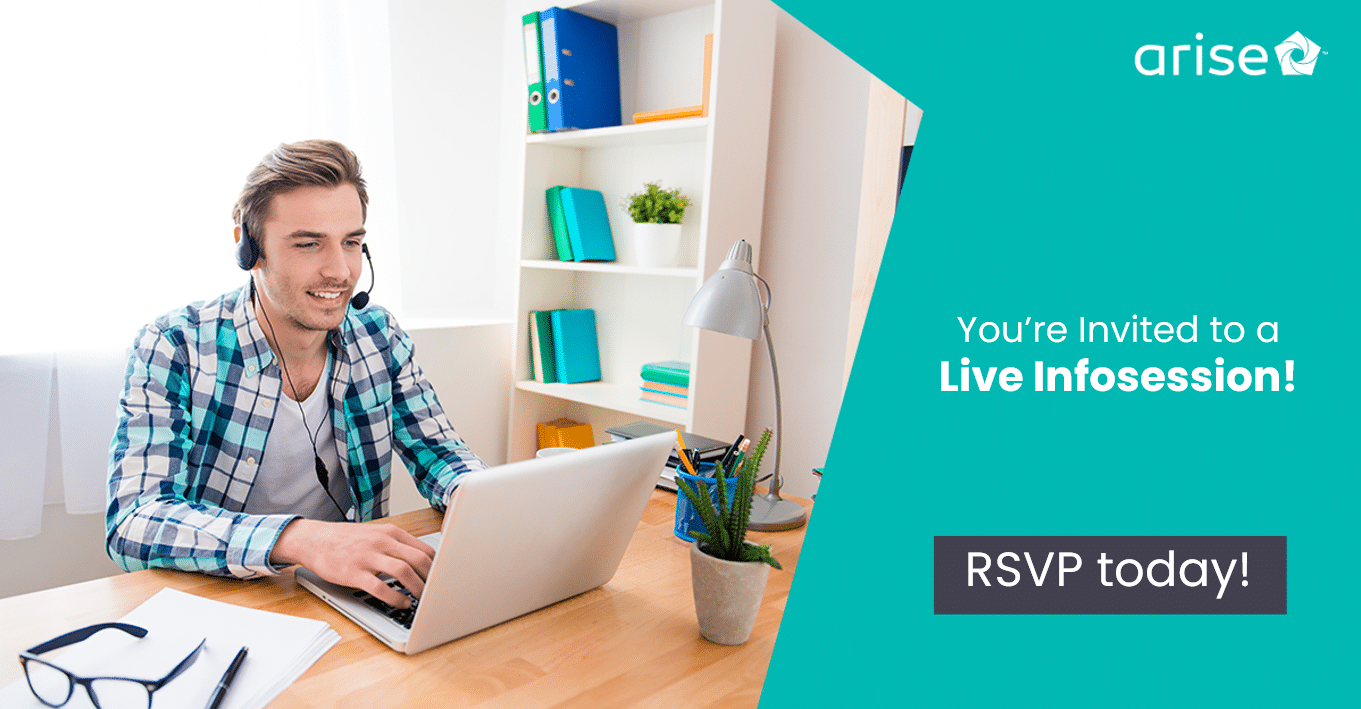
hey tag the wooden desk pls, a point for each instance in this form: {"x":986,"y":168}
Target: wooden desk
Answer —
{"x":632,"y":642}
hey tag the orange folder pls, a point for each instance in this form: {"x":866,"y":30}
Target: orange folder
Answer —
{"x":685,"y":111}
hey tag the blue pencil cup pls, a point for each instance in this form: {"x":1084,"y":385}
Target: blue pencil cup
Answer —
{"x":687,"y":519}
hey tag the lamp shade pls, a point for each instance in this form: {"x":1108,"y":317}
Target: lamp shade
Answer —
{"x":729,"y":302}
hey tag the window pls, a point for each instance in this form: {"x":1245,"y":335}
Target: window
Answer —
{"x":130,"y":128}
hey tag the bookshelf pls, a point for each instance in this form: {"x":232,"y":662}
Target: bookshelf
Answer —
{"x":718,"y":160}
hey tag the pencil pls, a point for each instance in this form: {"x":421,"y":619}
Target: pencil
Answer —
{"x":741,"y":454}
{"x":680,"y":450}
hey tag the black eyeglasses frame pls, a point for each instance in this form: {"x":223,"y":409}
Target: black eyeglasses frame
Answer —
{"x":75,"y":636}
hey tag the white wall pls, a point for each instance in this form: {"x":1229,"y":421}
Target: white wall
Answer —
{"x":447,"y":82}
{"x":70,"y":549}
{"x":448,"y":66}
{"x":817,"y":146}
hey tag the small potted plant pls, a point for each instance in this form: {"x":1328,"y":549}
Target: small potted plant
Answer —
{"x":728,"y":574}
{"x":657,"y":215}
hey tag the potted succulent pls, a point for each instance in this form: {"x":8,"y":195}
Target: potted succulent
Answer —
{"x":657,"y":215}
{"x":727,"y":573}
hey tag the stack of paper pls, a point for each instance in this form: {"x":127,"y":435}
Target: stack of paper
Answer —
{"x":282,"y":647}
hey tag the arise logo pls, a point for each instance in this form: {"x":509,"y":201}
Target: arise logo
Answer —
{"x":1297,"y":56}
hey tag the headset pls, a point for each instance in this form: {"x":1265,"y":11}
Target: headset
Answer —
{"x":247,"y":253}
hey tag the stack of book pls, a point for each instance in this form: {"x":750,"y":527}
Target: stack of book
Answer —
{"x":667,"y":383}
{"x":580,"y":224}
{"x":563,"y":346}
{"x":708,"y":448}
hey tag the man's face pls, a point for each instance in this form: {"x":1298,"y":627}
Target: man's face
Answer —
{"x":312,"y":256}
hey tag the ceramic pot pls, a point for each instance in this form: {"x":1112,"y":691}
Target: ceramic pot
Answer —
{"x":727,"y":595}
{"x":656,"y":244}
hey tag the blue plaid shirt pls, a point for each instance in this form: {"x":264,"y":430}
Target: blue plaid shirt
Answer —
{"x":201,"y":389}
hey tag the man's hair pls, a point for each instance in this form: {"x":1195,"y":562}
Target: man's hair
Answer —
{"x":306,"y":163}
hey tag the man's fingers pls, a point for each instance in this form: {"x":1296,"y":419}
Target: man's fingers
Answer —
{"x":411,"y":540}
{"x":412,"y":558}
{"x":400,"y":570}
{"x":375,"y":587}
{"x":413,"y":553}
{"x":353,"y":555}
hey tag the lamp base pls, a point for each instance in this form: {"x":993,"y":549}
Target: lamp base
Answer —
{"x":771,"y":513}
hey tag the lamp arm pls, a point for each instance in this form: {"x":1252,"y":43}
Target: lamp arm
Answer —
{"x":774,"y":494}
{"x":765,"y":311}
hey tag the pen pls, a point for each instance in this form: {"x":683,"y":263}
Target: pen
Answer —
{"x":731,"y":455}
{"x":221,"y":690}
{"x":693,"y":456}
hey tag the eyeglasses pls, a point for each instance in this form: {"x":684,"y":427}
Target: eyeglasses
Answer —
{"x":53,"y":686}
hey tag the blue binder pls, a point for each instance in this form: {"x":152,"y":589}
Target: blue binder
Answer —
{"x":588,"y":224}
{"x":581,"y":70}
{"x":575,"y":348}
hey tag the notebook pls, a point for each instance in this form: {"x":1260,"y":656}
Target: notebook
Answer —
{"x":516,"y":538}
{"x":576,"y":351}
{"x":588,"y":224}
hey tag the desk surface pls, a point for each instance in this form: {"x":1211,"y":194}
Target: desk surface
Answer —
{"x":632,"y":642}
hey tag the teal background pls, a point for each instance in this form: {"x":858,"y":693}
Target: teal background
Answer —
{"x":1051,"y":180}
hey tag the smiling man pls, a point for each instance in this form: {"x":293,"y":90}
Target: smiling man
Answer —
{"x":254,"y":428}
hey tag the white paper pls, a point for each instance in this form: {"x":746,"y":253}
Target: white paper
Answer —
{"x":282,"y":647}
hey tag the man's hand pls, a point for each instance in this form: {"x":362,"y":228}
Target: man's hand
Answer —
{"x":354,"y":554}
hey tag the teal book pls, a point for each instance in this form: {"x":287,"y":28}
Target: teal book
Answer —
{"x":543,"y":362}
{"x":668,"y":372}
{"x":576,"y":351}
{"x":558,"y":223}
{"x":588,"y":224}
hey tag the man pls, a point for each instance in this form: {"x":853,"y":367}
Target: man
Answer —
{"x":253,"y":426}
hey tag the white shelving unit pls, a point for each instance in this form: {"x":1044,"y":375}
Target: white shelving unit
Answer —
{"x":719,"y":161}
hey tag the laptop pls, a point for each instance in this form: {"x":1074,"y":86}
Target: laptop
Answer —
{"x":516,"y":538}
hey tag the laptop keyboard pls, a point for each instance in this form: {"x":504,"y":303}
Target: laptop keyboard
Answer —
{"x":401,"y":616}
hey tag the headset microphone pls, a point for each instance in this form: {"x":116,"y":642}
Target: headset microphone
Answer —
{"x":361,"y":299}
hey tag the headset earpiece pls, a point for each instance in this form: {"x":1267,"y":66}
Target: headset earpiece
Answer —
{"x":246,"y":253}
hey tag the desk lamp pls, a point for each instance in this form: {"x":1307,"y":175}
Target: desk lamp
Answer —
{"x":730,"y":303}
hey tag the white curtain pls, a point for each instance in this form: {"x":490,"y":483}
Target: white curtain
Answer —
{"x":128,"y":130}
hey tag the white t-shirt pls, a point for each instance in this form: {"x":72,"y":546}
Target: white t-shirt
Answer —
{"x":287,"y":480}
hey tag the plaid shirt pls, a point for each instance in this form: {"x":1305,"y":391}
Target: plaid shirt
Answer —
{"x":201,"y":389}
